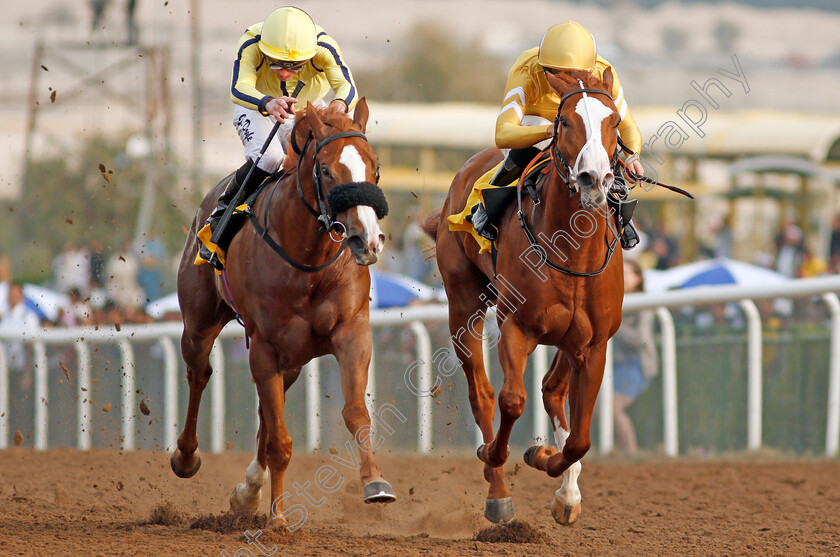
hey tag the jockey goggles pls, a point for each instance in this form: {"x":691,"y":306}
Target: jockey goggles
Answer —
{"x":554,"y":71}
{"x":291,"y":65}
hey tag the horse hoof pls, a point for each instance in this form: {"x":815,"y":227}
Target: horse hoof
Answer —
{"x":499,"y":511}
{"x":379,"y":491}
{"x":563,"y":513}
{"x":238,"y":506}
{"x":529,"y":455}
{"x":479,"y":452}
{"x":276,"y":523}
{"x":190,"y":467}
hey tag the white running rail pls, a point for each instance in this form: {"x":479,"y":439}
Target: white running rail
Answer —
{"x":416,"y":318}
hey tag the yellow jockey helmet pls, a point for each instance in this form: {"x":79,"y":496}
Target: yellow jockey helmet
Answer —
{"x":288,"y":34}
{"x":568,"y":46}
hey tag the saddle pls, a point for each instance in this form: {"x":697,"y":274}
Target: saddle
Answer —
{"x":492,"y":201}
{"x":207,"y":247}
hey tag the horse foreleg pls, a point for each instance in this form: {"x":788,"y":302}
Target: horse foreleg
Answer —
{"x":566,"y":506}
{"x":353,"y":348}
{"x":514,"y":349}
{"x":278,"y":442}
{"x":583,"y":391}
{"x":466,"y":336}
{"x":245,"y":497}
{"x":186,"y":460}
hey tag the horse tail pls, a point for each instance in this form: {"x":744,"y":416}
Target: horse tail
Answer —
{"x":430,"y":224}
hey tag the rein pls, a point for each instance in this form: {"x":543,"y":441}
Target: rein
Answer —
{"x":321,"y":213}
{"x":565,"y":175}
{"x":645,"y":179}
{"x":263,"y":233}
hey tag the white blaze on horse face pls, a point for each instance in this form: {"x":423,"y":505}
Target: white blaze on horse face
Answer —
{"x":569,"y":492}
{"x":351,"y":158}
{"x":593,"y":157}
{"x":373,"y":236}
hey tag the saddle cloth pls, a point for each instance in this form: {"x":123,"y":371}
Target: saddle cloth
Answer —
{"x":205,"y":234}
{"x":494,"y":198}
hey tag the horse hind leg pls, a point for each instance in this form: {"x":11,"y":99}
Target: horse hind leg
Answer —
{"x":204,"y":314}
{"x":566,"y":505}
{"x":186,"y":460}
{"x":245,"y":497}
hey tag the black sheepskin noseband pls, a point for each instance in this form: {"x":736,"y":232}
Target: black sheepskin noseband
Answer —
{"x":347,"y":196}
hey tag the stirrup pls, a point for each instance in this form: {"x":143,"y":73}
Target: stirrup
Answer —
{"x":210,"y":257}
{"x":629,"y":236}
{"x":481,"y":222}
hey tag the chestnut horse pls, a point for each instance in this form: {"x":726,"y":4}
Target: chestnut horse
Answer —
{"x":574,"y":305}
{"x":297,"y":291}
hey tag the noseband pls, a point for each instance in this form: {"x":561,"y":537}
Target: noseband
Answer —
{"x":566,"y":174}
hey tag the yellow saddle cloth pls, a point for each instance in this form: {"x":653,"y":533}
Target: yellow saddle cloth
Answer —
{"x":459,"y":222}
{"x":205,"y":234}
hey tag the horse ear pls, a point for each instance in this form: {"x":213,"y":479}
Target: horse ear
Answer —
{"x":559,"y":82}
{"x":314,"y":120}
{"x":608,"y":79}
{"x":361,"y":113}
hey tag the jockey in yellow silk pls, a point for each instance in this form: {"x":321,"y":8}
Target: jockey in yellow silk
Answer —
{"x":272,"y":57}
{"x":525,"y":124}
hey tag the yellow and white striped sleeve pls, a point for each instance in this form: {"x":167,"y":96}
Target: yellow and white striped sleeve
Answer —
{"x":510,"y":133}
{"x":243,"y":90}
{"x":330,"y":61}
{"x":630,"y":134}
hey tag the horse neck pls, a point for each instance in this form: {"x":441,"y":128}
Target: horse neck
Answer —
{"x":568,"y":226}
{"x":297,"y":230}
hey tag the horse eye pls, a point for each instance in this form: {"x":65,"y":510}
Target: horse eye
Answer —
{"x":377,"y":174}
{"x":325,"y":171}
{"x":563,"y":121}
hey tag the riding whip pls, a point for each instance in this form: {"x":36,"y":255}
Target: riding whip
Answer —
{"x":651,"y":181}
{"x":236,"y":198}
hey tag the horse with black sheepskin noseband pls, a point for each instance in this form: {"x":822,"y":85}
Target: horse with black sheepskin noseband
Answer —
{"x":347,"y":196}
{"x":364,"y":237}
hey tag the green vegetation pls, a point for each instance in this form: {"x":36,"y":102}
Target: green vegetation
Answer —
{"x":67,"y":198}
{"x":433,"y":66}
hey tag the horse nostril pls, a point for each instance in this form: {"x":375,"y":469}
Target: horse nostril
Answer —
{"x":356,"y":244}
{"x":585,"y":179}
{"x":382,"y":239}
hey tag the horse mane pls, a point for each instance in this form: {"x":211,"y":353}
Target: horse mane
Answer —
{"x":332,"y":117}
{"x":571,"y":77}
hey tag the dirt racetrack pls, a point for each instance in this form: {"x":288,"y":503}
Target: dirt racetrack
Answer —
{"x":65,"y":502}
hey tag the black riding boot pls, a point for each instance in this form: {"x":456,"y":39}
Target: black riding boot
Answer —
{"x":629,"y":236}
{"x":510,"y":169}
{"x":513,"y":165}
{"x":222,"y":236}
{"x":254,"y":181}
{"x":623,"y":207}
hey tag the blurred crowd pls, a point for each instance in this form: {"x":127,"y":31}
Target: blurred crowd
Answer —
{"x":88,"y":286}
{"x":789,"y":255}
